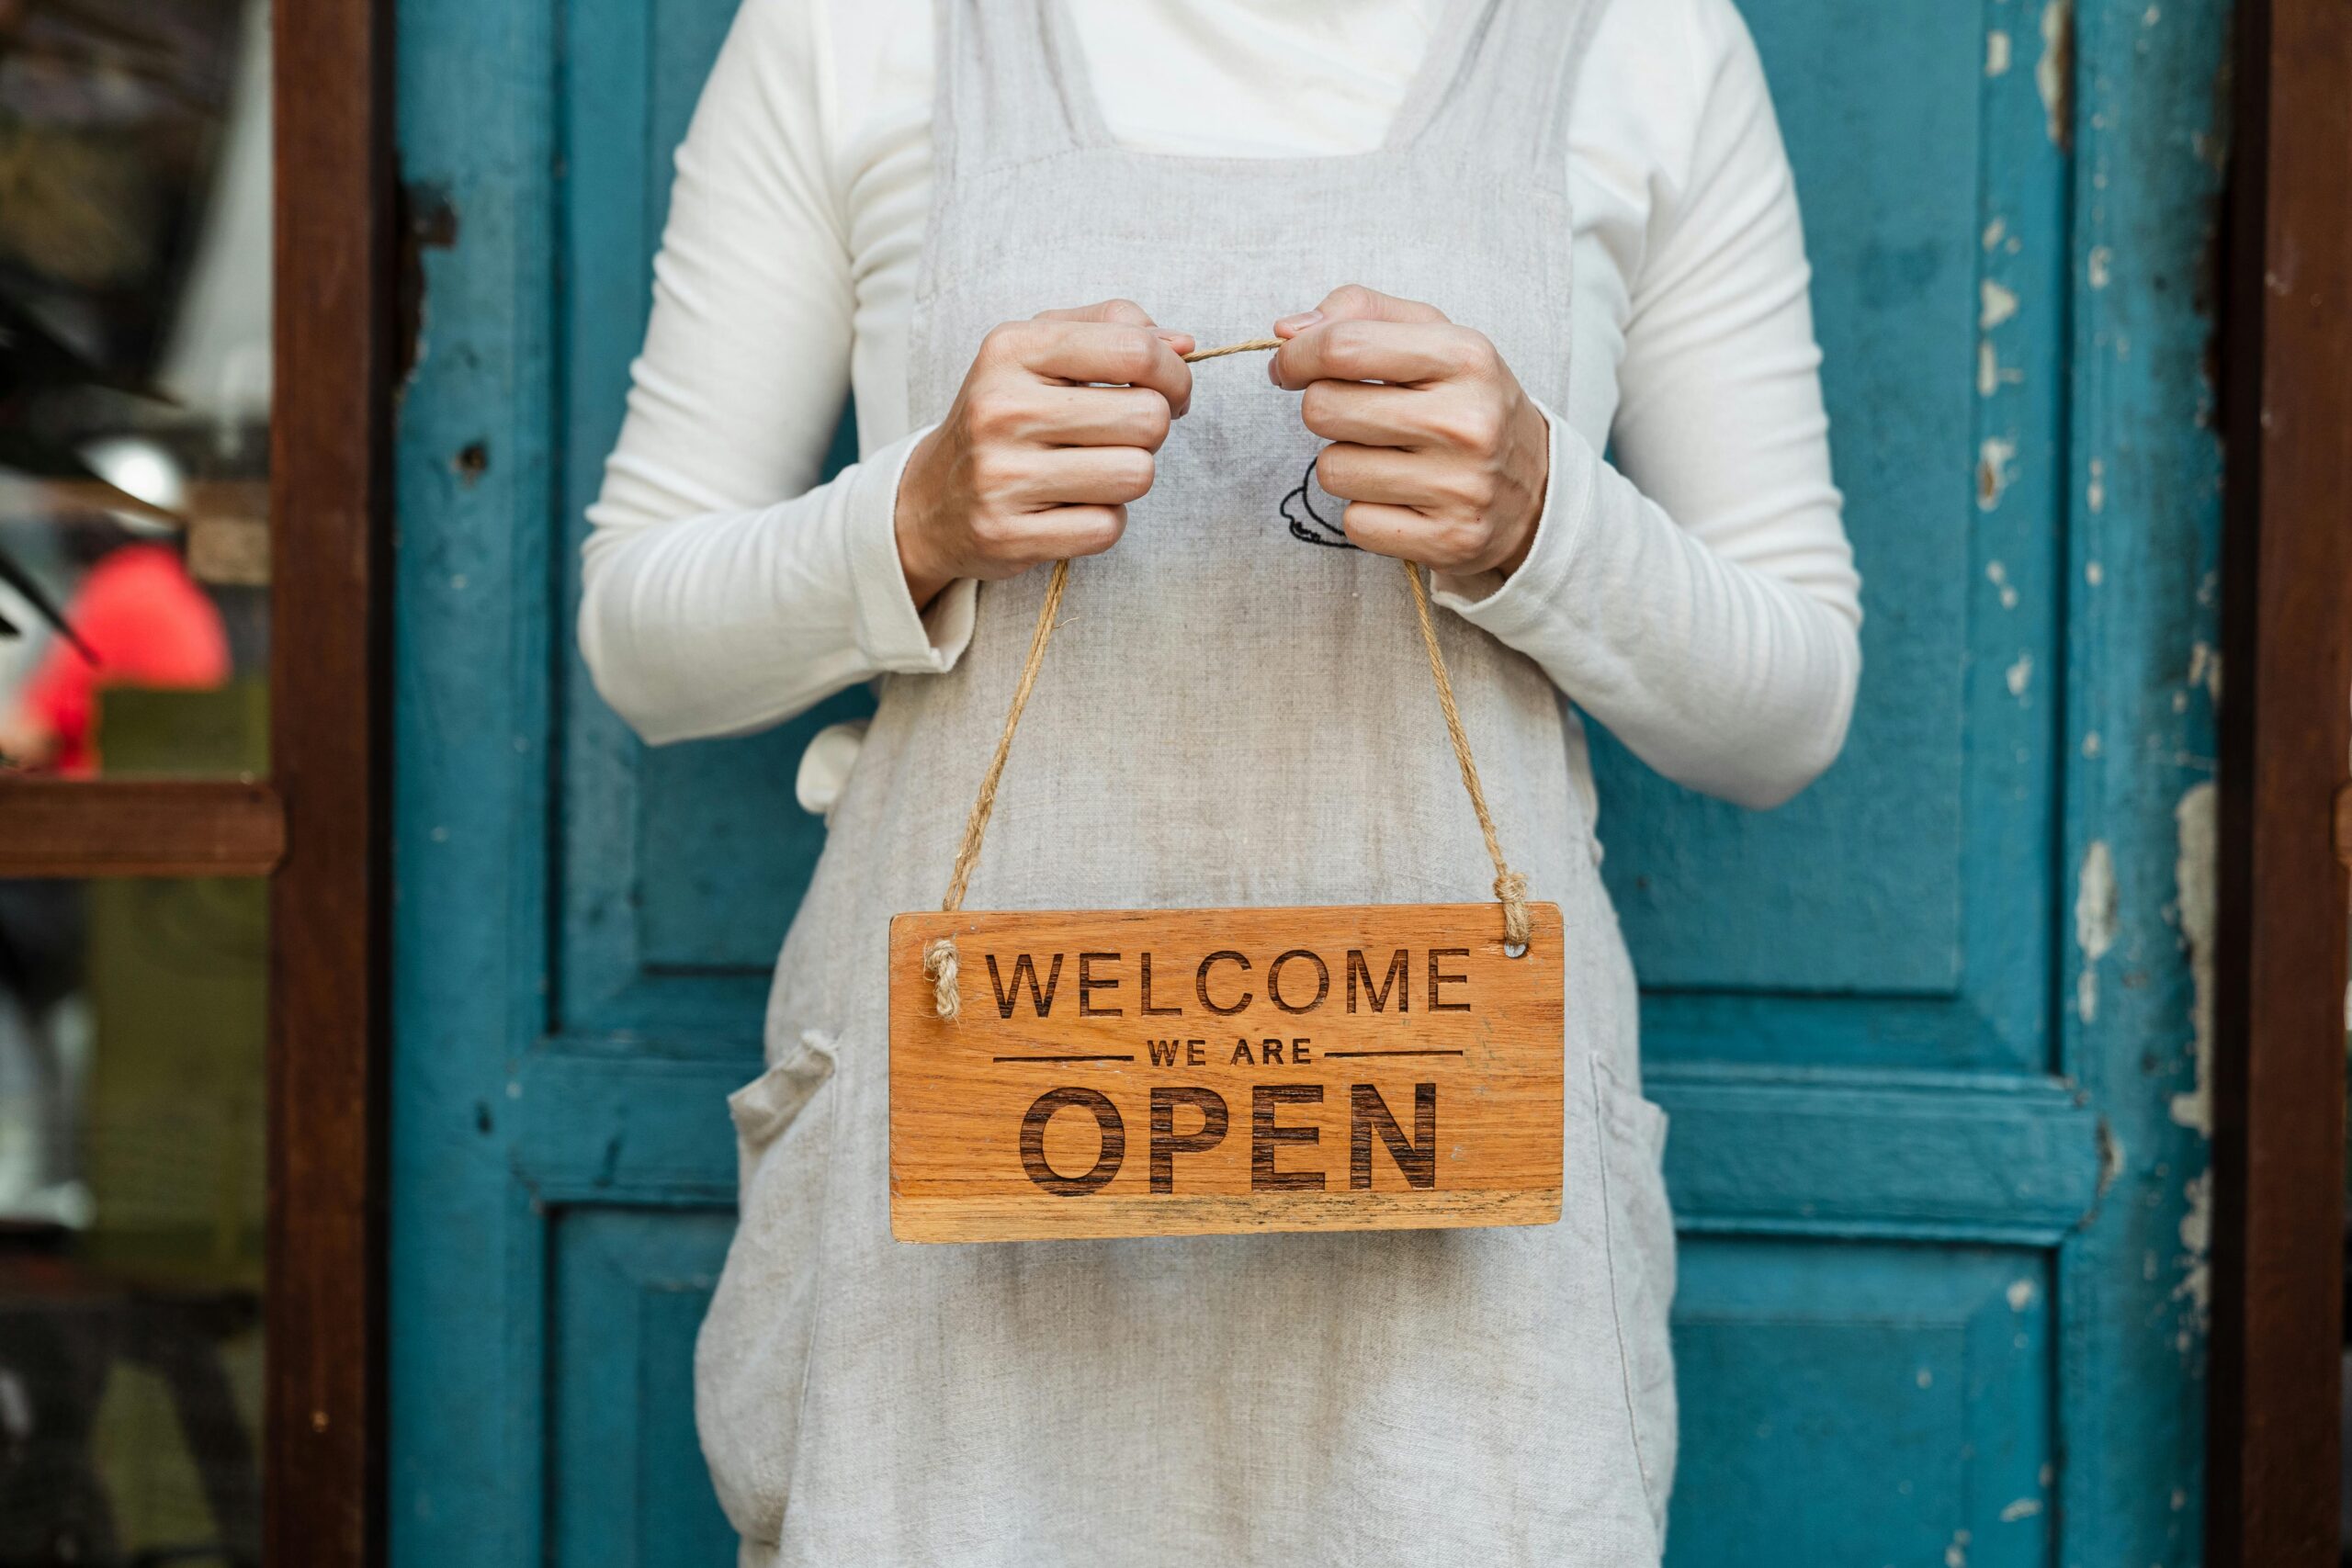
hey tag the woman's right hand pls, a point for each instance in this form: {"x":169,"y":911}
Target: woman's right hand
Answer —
{"x":1050,"y":437}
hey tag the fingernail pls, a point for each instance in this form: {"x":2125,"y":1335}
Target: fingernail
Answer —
{"x":1271,"y":360}
{"x":1297,"y":324}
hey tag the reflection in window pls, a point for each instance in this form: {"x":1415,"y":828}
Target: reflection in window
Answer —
{"x":131,"y":1206}
{"x":134,"y":396}
{"x":134,"y":368}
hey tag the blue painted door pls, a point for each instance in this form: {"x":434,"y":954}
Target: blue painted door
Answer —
{"x":1930,"y":1036}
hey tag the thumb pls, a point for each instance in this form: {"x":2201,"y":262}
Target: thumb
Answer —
{"x":1354,"y":302}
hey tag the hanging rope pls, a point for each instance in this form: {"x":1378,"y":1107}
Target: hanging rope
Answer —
{"x":939,"y":958}
{"x":1511,"y":887}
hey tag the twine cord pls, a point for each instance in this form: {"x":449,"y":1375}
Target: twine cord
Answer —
{"x":1249,"y":346}
{"x":1511,"y":887}
{"x":939,"y":954}
{"x":939,"y":958}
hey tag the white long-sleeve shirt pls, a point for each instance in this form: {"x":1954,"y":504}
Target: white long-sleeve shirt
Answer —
{"x":1699,"y":598}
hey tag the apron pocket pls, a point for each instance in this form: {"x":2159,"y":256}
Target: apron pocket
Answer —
{"x":1641,"y":1274}
{"x":751,"y":1357}
{"x":765,"y":1108}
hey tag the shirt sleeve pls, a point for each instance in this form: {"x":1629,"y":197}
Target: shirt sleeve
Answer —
{"x":1700,"y":601}
{"x":723,"y":588}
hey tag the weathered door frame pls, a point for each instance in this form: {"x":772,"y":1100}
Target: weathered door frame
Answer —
{"x":2273,"y":1464}
{"x":2280,"y":958}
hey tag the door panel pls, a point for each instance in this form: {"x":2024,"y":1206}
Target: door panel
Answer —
{"x":1863,"y":1404}
{"x":1894,"y":237}
{"x":630,"y":1288}
{"x":679,"y":867}
{"x":1928,"y":1036}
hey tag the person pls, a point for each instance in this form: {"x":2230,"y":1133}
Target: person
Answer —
{"x":1495,"y":237}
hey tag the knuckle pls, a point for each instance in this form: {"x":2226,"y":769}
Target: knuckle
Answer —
{"x":992,"y":530}
{"x":1137,"y":471}
{"x":1316,"y":406}
{"x":1474,"y":353}
{"x":1331,"y":470}
{"x":1003,"y":340}
{"x":991,"y":413}
{"x":1152,"y":420}
{"x":1347,"y":350}
{"x":1125,"y":309}
{"x":993,"y":470}
{"x":1462,"y":489}
{"x":1094,"y":531}
{"x":1354,"y":296}
{"x":1475,"y":428}
{"x":1130,"y":355}
{"x":1462,"y":545}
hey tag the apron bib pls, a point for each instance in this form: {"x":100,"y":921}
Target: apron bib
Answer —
{"x":1232,"y":715}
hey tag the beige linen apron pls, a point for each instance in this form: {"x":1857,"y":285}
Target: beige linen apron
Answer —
{"x":1229,"y":715}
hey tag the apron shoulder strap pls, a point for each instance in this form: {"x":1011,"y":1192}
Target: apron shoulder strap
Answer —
{"x":1511,"y":92}
{"x":1002,"y":90}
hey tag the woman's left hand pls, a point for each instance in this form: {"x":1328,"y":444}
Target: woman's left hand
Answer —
{"x":1440,"y":454}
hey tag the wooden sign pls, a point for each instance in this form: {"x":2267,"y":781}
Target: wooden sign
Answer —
{"x":1172,"y":1072}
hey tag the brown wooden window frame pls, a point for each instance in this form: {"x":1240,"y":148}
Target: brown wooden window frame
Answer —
{"x":317,"y":826}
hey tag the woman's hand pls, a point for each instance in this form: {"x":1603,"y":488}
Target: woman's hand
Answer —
{"x":1036,"y":461}
{"x":1440,"y":454}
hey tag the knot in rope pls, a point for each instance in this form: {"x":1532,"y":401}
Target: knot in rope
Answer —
{"x":1511,"y":887}
{"x":939,"y":961}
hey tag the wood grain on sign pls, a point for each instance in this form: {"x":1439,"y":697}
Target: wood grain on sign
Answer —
{"x":1172,"y":1072}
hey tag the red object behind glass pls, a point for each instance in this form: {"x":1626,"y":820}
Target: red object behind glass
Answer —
{"x":149,"y":626}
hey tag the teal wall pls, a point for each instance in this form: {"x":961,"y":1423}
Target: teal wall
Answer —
{"x":1929,"y":1034}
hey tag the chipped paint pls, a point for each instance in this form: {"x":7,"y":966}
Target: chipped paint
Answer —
{"x":2020,"y":1294}
{"x":2054,"y":74}
{"x":1998,"y":576}
{"x":1996,"y":53}
{"x":1993,"y":230}
{"x":2095,"y":923}
{"x":1998,"y":304}
{"x":2021,"y":675}
{"x":1992,"y":462}
{"x":2023,"y":1508}
{"x":2193,"y":875}
{"x":1956,"y":1554}
{"x":2099,"y":265}
{"x":2094,"y":497}
{"x":2205,"y":669}
{"x":427,"y":220}
{"x":2091,"y":744}
{"x":2094,"y":573}
{"x":1991,"y":374}
{"x":2195,"y":1285}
